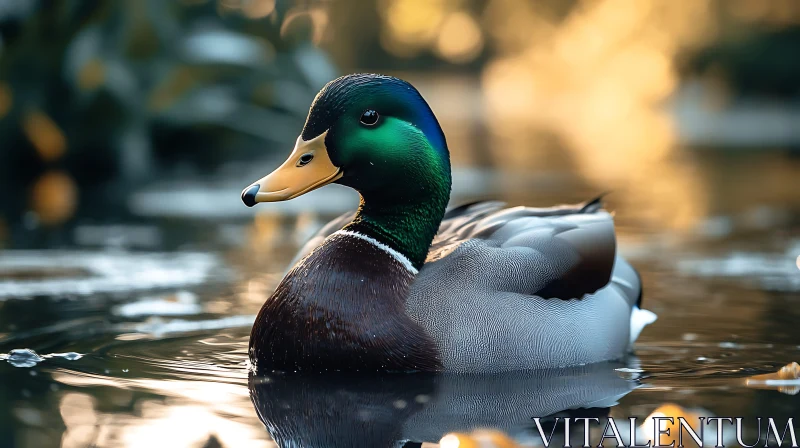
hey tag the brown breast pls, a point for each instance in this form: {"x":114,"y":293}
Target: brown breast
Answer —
{"x":341,"y":308}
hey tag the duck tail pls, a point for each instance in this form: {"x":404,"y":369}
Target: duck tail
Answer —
{"x":640,"y":317}
{"x":641,"y":289}
{"x":594,"y":205}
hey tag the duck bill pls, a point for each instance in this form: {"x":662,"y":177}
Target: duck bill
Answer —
{"x":307,"y":168}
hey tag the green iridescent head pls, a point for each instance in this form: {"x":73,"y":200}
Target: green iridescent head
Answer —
{"x":380,"y":130}
{"x":377,"y":135}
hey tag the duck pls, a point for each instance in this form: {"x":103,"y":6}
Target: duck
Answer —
{"x":404,"y":284}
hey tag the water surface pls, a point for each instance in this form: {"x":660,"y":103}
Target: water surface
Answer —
{"x":140,"y":329}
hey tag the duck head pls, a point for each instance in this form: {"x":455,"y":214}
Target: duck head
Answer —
{"x":377,"y":135}
{"x":373,"y":133}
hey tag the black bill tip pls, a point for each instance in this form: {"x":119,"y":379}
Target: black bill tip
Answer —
{"x":249,"y":195}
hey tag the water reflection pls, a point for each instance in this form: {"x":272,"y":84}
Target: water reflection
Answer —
{"x":786,"y":380}
{"x":337,"y":410}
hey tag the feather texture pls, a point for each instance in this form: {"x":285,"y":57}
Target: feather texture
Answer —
{"x":520,"y":288}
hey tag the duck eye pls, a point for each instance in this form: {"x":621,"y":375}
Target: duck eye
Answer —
{"x":369,"y":117}
{"x":305,"y":159}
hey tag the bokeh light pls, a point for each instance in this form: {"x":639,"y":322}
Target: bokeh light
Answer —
{"x":460,"y":38}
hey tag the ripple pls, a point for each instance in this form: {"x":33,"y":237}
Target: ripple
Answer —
{"x":100,"y":272}
{"x":177,"y":304}
{"x":775,"y":272}
{"x":25,"y":357}
{"x":160,"y":328}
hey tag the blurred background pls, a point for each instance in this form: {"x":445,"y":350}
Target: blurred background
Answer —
{"x":128,"y":129}
{"x":119,"y":110}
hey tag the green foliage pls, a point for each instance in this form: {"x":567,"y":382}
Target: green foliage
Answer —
{"x":118,"y":93}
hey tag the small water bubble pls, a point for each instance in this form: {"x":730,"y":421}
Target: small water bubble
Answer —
{"x":54,"y":387}
{"x":688,"y":337}
{"x":23,"y":357}
{"x":107,"y":371}
{"x":400,"y":404}
{"x":69,"y":356}
{"x":701,"y":359}
{"x":32,"y":373}
{"x":729,"y":345}
{"x":422,"y":398}
{"x":125,"y":370}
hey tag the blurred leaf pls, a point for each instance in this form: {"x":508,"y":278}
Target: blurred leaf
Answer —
{"x":117,"y":94}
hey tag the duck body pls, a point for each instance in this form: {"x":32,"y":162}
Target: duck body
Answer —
{"x":343,"y":307}
{"x":403,"y":285}
{"x":560,"y":298}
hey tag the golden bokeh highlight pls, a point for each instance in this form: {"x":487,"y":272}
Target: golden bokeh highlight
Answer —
{"x":267,"y":230}
{"x":45,"y":136}
{"x":172,"y":87}
{"x":6,"y":99}
{"x":674,"y":411}
{"x":480,"y":438}
{"x":257,"y":9}
{"x":54,"y":198}
{"x":80,"y":419}
{"x":460,"y":39}
{"x":598,"y":81}
{"x":786,"y":380}
{"x":411,"y":25}
{"x":252,"y":9}
{"x":91,"y":75}
{"x":191,"y":413}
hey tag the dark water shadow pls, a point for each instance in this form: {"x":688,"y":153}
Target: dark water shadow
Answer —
{"x":345,"y":410}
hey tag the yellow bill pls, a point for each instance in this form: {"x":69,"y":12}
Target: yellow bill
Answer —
{"x":307,"y":168}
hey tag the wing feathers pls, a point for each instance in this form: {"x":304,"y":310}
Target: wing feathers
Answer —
{"x":564,"y":252}
{"x":560,"y":252}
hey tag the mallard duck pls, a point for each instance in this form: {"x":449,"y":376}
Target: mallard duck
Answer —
{"x":404,"y":285}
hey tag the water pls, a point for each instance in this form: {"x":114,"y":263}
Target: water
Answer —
{"x":136,"y":334}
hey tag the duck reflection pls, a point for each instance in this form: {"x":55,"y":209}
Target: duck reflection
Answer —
{"x":396,"y":410}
